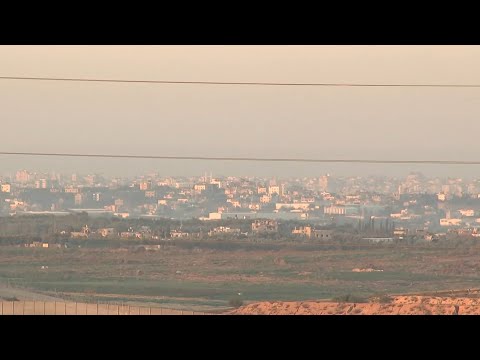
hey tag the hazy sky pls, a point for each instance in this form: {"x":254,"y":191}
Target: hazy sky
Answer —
{"x":380,"y":123}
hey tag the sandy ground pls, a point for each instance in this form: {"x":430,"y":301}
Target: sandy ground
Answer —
{"x":399,"y":305}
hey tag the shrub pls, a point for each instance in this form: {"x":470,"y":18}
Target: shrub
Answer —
{"x":381,"y":298}
{"x":350,"y":299}
{"x":235,"y":302}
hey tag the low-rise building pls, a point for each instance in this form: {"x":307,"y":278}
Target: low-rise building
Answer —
{"x":224,"y":230}
{"x":450,"y":222}
{"x":292,"y":206}
{"x":78,"y":234}
{"x":5,"y":188}
{"x":71,"y":190}
{"x":304,"y":231}
{"x":178,"y":234}
{"x":321,"y":234}
{"x":467,"y":212}
{"x":105,"y":232}
{"x":84,"y":233}
{"x":379,"y":240}
{"x":441,"y":196}
{"x":265,"y":226}
{"x":199,"y":188}
{"x":400,"y":232}
{"x":150,"y":193}
{"x":334,"y":210}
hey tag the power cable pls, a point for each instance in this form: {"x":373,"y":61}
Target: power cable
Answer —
{"x":172,"y":82}
{"x":207,"y":158}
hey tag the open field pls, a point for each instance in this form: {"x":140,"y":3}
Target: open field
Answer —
{"x":206,"y":278}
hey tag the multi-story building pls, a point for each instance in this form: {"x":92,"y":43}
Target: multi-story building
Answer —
{"x":323,"y":183}
{"x":78,"y":198}
{"x":22,"y":176}
{"x":274,"y":190}
{"x":90,"y":180}
{"x":199,"y":188}
{"x":265,"y":199}
{"x":144,"y":185}
{"x":261,"y":190}
{"x":41,"y":184}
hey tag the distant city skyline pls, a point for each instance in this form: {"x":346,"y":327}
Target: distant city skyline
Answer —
{"x":415,"y":201}
{"x":133,"y":169}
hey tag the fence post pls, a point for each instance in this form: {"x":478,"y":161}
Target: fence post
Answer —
{"x":149,"y":311}
{"x":13,"y":304}
{"x":65,"y":313}
{"x":44,"y":308}
{"x":97,"y":307}
{"x":2,"y":307}
{"x":23,"y":312}
{"x":55,"y":305}
{"x":76,"y":308}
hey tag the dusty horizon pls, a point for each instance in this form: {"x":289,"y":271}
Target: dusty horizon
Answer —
{"x":383,"y":123}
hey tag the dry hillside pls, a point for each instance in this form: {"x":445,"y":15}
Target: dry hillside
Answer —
{"x":397,"y":305}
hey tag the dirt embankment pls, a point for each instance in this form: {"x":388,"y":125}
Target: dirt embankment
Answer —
{"x":397,"y":305}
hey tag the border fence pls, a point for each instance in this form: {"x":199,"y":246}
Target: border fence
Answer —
{"x":79,"y":308}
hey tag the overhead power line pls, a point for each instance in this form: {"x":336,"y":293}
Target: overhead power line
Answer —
{"x":305,"y":160}
{"x":172,"y":82}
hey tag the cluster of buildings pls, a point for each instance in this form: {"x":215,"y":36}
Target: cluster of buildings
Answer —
{"x":398,"y":207}
{"x":144,"y":232}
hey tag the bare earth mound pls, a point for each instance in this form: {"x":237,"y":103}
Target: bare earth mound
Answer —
{"x":399,"y":305}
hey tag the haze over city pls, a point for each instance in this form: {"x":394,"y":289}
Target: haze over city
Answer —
{"x":372,"y":123}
